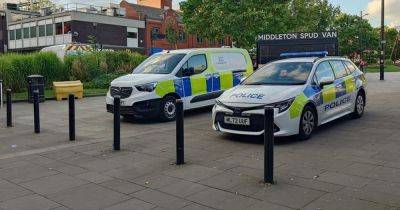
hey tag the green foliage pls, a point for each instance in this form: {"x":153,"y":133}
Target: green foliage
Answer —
{"x":244,"y":20}
{"x":14,"y":68}
{"x":97,"y":69}
{"x":172,"y":35}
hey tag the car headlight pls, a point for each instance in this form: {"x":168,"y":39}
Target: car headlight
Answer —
{"x":149,"y":87}
{"x":283,"y":105}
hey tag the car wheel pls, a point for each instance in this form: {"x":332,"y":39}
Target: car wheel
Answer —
{"x":168,"y":109}
{"x":359,"y":106}
{"x":308,"y":123}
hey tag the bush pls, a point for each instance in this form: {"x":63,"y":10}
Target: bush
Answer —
{"x":14,"y":69}
{"x":96,"y":69}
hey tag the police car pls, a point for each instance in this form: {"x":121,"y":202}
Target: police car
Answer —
{"x":197,"y":76}
{"x":304,"y":92}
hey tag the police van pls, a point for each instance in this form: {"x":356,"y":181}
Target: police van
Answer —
{"x":197,"y":76}
{"x":304,"y":92}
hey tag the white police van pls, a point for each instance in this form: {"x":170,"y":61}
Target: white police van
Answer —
{"x":304,"y":92}
{"x":197,"y":76}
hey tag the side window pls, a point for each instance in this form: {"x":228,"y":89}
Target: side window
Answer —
{"x":351,"y":67}
{"x":198,"y":63}
{"x":324,"y":70}
{"x":195,"y":65}
{"x":339,"y":68}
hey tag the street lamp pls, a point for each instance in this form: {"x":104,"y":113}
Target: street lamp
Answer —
{"x":360,"y":39}
{"x":382,"y":59}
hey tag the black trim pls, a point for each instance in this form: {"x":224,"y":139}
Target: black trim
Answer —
{"x":206,"y":97}
{"x":149,"y":108}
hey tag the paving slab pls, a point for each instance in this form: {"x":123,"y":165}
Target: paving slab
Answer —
{"x":29,"y":202}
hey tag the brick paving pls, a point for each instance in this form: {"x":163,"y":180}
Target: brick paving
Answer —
{"x":348,"y":164}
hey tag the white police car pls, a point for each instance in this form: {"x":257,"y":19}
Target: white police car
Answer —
{"x":305,"y":93}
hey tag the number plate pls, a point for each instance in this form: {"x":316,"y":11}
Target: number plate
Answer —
{"x":237,"y":121}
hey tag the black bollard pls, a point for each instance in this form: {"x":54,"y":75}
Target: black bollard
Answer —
{"x":180,"y":155}
{"x":71,"y":100}
{"x":269,"y":145}
{"x":9,"y":108}
{"x":36,"y":113}
{"x":117,"y":123}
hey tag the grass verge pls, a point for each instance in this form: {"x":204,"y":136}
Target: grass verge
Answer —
{"x":388,"y":68}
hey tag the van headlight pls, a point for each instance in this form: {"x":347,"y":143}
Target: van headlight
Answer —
{"x":149,"y":87}
{"x":283,"y":105}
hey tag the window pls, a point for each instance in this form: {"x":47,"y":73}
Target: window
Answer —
{"x":49,"y":30}
{"x":198,"y":62}
{"x":155,"y":30}
{"x":339,"y":68}
{"x":182,"y":36}
{"x":18,"y":34}
{"x":12,"y":34}
{"x":199,"y":39}
{"x":222,"y":42}
{"x":351,"y":67}
{"x":42,"y":30}
{"x":67,"y":27}
{"x":59,"y":28}
{"x":284,"y":73}
{"x":159,"y":64}
{"x":324,"y":70}
{"x":132,"y":35}
{"x":212,"y":42}
{"x":33,"y":30}
{"x":26,"y":33}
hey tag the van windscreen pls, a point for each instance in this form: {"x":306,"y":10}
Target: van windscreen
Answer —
{"x":159,"y":64}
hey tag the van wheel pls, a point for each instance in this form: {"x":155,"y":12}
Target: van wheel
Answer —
{"x":359,"y":106}
{"x":308,"y":123}
{"x":168,"y":109}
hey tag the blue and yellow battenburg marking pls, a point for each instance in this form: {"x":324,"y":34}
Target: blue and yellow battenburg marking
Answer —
{"x":327,"y":95}
{"x":199,"y":84}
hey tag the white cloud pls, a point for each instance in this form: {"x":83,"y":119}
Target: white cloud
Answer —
{"x":392,"y":12}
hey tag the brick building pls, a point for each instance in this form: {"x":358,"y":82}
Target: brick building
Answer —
{"x":159,"y":15}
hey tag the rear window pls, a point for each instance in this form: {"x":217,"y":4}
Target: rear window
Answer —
{"x":229,"y":61}
{"x":351,"y":67}
{"x":339,"y":68}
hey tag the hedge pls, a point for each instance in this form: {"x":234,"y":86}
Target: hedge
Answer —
{"x":96,"y":69}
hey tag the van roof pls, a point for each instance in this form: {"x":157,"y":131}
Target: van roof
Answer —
{"x":186,"y":51}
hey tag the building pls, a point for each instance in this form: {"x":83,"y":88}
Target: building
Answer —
{"x":75,"y":23}
{"x":159,"y":15}
{"x":3,"y":32}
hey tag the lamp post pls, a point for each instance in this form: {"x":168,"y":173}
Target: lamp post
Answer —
{"x":382,"y":59}
{"x":362,"y":15}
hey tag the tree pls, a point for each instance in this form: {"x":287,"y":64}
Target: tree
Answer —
{"x":243,"y":20}
{"x":37,"y":5}
{"x":171,"y":34}
{"x":355,"y":34}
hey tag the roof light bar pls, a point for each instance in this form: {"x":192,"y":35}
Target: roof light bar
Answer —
{"x":305,"y":54}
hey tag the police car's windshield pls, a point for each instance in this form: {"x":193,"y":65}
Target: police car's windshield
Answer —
{"x":159,"y":64}
{"x":285,"y":73}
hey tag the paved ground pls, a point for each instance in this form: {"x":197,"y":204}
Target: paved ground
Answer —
{"x":349,"y":164}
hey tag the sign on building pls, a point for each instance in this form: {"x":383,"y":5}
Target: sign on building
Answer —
{"x":270,"y":47}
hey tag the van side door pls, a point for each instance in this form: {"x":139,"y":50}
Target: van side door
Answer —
{"x":194,"y":81}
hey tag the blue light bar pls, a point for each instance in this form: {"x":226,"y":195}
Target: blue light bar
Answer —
{"x":305,"y":54}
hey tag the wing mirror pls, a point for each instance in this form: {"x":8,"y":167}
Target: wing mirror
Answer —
{"x":325,"y":81}
{"x":188,"y":72}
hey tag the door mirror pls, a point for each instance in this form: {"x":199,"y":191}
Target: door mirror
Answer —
{"x":325,"y":81}
{"x":188,"y":72}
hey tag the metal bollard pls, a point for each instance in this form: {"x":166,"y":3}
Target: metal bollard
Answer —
{"x":9,"y":108}
{"x":36,"y":113}
{"x":269,"y":145}
{"x":71,"y":100}
{"x":180,"y":155}
{"x":117,"y":123}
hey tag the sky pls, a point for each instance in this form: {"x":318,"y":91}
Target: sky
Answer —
{"x":370,"y":7}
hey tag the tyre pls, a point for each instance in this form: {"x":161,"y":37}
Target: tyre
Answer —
{"x":359,"y":106}
{"x":308,"y":123}
{"x":168,"y":109}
